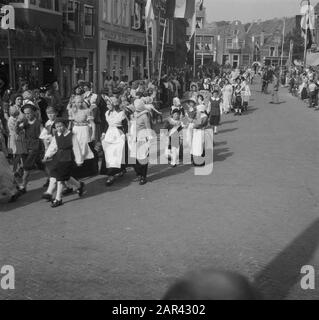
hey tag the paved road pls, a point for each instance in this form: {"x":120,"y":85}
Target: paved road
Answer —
{"x":258,"y":214}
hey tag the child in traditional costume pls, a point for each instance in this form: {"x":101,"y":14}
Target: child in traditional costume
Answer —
{"x":32,"y":128}
{"x":141,"y":135}
{"x":114,"y":142}
{"x":198,"y":138}
{"x":246,"y":94}
{"x":175,"y":127}
{"x":238,"y":98}
{"x":178,"y":106}
{"x":47,"y":135}
{"x":62,"y":152}
{"x":215,"y":111}
{"x":16,"y":142}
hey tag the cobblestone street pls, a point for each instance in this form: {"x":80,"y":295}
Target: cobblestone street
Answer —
{"x":257,"y":214}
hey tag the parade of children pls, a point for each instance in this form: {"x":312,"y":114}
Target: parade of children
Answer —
{"x":110,"y":133}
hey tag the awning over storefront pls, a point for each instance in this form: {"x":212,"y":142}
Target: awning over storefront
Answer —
{"x":313,"y":59}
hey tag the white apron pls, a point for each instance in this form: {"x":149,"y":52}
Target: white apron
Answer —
{"x":139,"y":144}
{"x":83,"y":138}
{"x":114,"y":141}
{"x":198,"y":142}
{"x":113,"y":146}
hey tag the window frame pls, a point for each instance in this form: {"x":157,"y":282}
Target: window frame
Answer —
{"x":77,"y":27}
{"x":87,"y":6}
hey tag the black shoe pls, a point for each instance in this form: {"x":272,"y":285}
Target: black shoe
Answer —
{"x":67,"y":191}
{"x":22,"y":191}
{"x":47,"y":197}
{"x":110,"y":181}
{"x":56,"y":203}
{"x":81,"y":191}
{"x":46,"y":185}
{"x":14,"y":198}
{"x":143,"y":181}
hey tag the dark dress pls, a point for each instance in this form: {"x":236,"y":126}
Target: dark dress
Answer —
{"x":34,"y":146}
{"x":63,"y":161}
{"x":214,"y":117}
{"x":238,"y":98}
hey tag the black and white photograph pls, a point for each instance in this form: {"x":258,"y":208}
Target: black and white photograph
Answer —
{"x":159,"y":150}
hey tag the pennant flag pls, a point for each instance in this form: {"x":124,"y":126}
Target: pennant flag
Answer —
{"x":185,"y":9}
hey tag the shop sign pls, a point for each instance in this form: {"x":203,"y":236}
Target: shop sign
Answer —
{"x":7,"y":17}
{"x":124,"y":37}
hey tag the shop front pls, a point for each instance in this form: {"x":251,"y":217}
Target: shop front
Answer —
{"x":76,"y":66}
{"x":122,"y":55}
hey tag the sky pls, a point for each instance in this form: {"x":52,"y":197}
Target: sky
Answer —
{"x":249,"y":10}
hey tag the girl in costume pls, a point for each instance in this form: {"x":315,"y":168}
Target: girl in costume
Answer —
{"x":63,"y":151}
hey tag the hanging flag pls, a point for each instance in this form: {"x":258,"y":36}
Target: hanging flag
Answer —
{"x":257,"y":46}
{"x":201,"y":5}
{"x":193,"y":25}
{"x":188,"y":45}
{"x":291,"y":49}
{"x":149,"y":14}
{"x":137,"y":16}
{"x":308,"y":24}
{"x":185,"y":9}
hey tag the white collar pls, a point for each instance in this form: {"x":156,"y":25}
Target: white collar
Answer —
{"x":65,"y":134}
